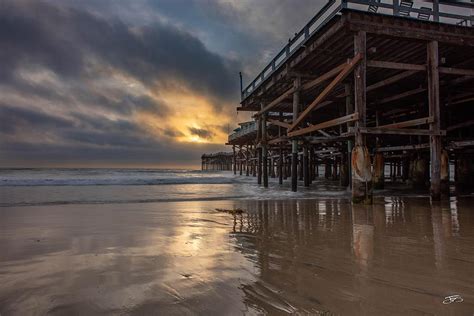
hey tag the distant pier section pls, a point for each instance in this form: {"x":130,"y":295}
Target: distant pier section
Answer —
{"x":217,"y":161}
{"x":368,"y":92}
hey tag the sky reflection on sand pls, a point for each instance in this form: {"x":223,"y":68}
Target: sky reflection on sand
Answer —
{"x":401,"y":255}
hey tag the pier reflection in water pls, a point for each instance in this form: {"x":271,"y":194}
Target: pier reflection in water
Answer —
{"x":401,"y":255}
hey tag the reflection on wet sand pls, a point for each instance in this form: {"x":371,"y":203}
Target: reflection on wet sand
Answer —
{"x":399,"y":256}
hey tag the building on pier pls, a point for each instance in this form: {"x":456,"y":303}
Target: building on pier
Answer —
{"x":371,"y":91}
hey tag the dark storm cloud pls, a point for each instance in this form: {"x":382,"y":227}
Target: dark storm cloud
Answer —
{"x":60,"y":39}
{"x":14,"y":119}
{"x":80,"y":80}
{"x":201,"y":132}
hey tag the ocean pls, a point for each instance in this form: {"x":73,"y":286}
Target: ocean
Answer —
{"x":27,"y":187}
{"x":188,"y":242}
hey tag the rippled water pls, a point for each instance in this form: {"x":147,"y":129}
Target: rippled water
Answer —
{"x":400,"y":256}
{"x":130,"y":248}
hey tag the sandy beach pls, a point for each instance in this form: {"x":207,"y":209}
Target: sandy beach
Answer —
{"x":399,"y":256}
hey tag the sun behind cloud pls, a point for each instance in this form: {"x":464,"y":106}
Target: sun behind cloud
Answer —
{"x":191,"y":118}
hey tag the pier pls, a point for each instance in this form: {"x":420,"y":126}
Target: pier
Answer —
{"x":217,"y":161}
{"x":368,"y":92}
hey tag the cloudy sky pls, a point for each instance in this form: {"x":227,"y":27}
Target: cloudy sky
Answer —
{"x":130,"y":83}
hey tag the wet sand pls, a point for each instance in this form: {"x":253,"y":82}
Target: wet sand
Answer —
{"x":400,"y":256}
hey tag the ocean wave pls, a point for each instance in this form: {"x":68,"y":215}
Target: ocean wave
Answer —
{"x":116,"y":181}
{"x":125,"y":201}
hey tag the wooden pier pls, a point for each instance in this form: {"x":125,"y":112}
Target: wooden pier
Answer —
{"x":217,"y":161}
{"x":366,"y":87}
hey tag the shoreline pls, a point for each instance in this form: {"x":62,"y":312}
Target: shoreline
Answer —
{"x":310,"y":255}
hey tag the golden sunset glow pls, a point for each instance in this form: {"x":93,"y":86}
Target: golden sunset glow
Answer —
{"x":189,"y":112}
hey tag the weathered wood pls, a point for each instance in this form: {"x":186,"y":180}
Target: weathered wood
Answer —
{"x":264,"y":151}
{"x":275,"y":102}
{"x":328,"y":75}
{"x":462,"y":101}
{"x":400,"y":28}
{"x":278,"y":140}
{"x":279,"y":123}
{"x":330,"y":123}
{"x":401,"y":95}
{"x":399,"y":131}
{"x":294,"y":144}
{"x":415,"y":122}
{"x":394,"y":65}
{"x":434,"y":111}
{"x":460,"y":125}
{"x":456,"y":71}
{"x":391,"y":80}
{"x":306,"y":166}
{"x":325,"y":93}
{"x":403,"y":148}
{"x":461,"y":144}
{"x":360,"y":92}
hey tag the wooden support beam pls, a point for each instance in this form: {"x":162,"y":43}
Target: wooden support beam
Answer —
{"x":360,"y":84}
{"x":321,"y":97}
{"x":401,"y":95}
{"x":328,"y":75}
{"x":415,"y":122}
{"x":391,"y":80}
{"x":434,"y":111}
{"x":403,"y":148}
{"x":461,"y":101}
{"x":278,"y":140}
{"x":394,"y":65}
{"x":460,"y":125}
{"x":294,"y":143}
{"x":279,"y":123}
{"x":275,"y":102}
{"x":330,"y":123}
{"x":325,"y":140}
{"x":461,"y":144}
{"x":456,"y":71}
{"x":311,"y":84}
{"x":398,"y":131}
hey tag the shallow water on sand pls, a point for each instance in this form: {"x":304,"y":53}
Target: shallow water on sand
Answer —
{"x":317,"y":256}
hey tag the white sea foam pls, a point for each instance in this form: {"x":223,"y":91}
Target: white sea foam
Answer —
{"x":25,"y":187}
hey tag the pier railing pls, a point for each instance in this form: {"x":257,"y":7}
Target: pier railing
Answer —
{"x":449,"y":12}
{"x":243,"y":130}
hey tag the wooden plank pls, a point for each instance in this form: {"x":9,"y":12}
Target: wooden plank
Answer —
{"x":278,"y":140}
{"x":394,"y":65}
{"x":462,"y":101}
{"x":311,"y":84}
{"x":391,"y":80}
{"x":456,"y":71}
{"x":398,"y":131}
{"x":402,"y":28}
{"x":460,"y":125}
{"x":325,"y":93}
{"x":403,"y":148}
{"x":275,"y":102}
{"x":279,"y":123}
{"x":330,"y":123}
{"x":401,"y":95}
{"x":328,"y":75}
{"x":460,"y":144}
{"x":415,"y":122}
{"x":324,"y":140}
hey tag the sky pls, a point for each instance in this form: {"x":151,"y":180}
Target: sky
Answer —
{"x":143,"y":83}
